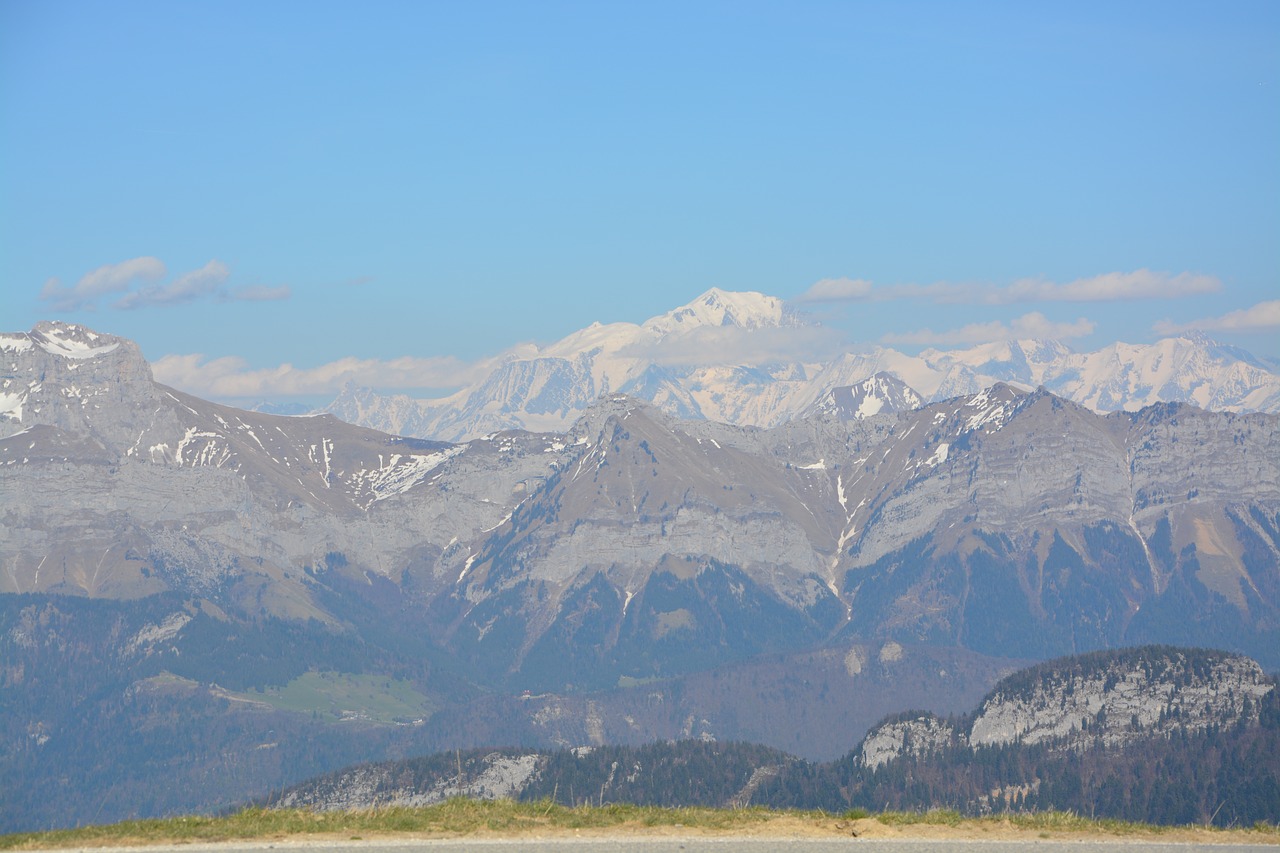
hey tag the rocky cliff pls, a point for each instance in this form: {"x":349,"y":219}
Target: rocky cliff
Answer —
{"x":1104,"y":700}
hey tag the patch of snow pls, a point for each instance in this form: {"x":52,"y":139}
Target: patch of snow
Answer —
{"x":11,"y":405}
{"x":15,"y":343}
{"x":939,"y":455}
{"x":870,"y":405}
{"x":400,"y":473}
{"x":63,"y":341}
{"x":204,"y":457}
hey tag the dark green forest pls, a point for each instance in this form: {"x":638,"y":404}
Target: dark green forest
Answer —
{"x":1225,"y":776}
{"x":166,"y":730}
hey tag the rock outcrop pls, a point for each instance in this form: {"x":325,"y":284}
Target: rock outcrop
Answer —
{"x":1104,"y":700}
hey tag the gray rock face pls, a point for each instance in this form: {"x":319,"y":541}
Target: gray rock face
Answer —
{"x":917,"y":736}
{"x":496,"y":776}
{"x":1121,"y":702}
{"x":94,"y":385}
{"x":1105,"y":700}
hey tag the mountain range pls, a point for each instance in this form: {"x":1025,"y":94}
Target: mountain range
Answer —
{"x":748,"y":359}
{"x":183,"y":583}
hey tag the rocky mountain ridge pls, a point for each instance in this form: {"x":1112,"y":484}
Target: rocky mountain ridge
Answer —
{"x":641,"y":576}
{"x":900,"y":526}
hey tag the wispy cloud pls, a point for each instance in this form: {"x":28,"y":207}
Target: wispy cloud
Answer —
{"x":839,"y":290}
{"x":260,"y":293}
{"x":231,"y":376}
{"x":103,"y":281}
{"x":1108,"y":287}
{"x":1263,"y":317}
{"x":187,"y":287}
{"x":1113,"y":287}
{"x":1032,"y":325}
{"x":140,"y":281}
{"x":731,"y":345}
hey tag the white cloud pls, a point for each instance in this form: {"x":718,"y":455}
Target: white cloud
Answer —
{"x":1111,"y":287}
{"x":208,"y":281}
{"x":106,"y":279}
{"x":837,"y":290}
{"x":260,"y":293}
{"x":732,"y":345}
{"x":1032,"y":325}
{"x":231,"y":376}
{"x":187,"y":287}
{"x":1263,"y":317}
{"x":1108,"y":287}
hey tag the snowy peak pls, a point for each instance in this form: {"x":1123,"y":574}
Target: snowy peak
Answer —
{"x":68,"y":340}
{"x":1191,"y":368}
{"x":718,"y":307}
{"x":1024,"y":361}
{"x":71,"y":393}
{"x":882,"y":393}
{"x":65,"y":376}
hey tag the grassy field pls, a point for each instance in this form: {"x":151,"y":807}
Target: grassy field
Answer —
{"x":461,"y":817}
{"x":338,"y":696}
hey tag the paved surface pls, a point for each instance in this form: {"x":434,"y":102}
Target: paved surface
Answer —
{"x":710,"y":845}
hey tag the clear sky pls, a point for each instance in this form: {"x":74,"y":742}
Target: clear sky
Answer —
{"x":305,"y":182}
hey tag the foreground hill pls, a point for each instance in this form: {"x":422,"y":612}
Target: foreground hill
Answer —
{"x":1154,"y":734}
{"x":188,"y":586}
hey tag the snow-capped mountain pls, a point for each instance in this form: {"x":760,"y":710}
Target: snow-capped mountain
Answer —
{"x":718,"y":307}
{"x":82,"y":405}
{"x":882,"y":393}
{"x":745,"y":358}
{"x":1191,"y":368}
{"x":548,"y":388}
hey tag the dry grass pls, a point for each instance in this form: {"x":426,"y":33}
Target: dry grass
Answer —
{"x":462,"y":817}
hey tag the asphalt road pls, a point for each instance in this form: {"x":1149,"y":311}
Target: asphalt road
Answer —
{"x":703,"y":845}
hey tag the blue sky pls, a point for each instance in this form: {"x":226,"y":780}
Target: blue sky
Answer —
{"x":261,"y":184}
